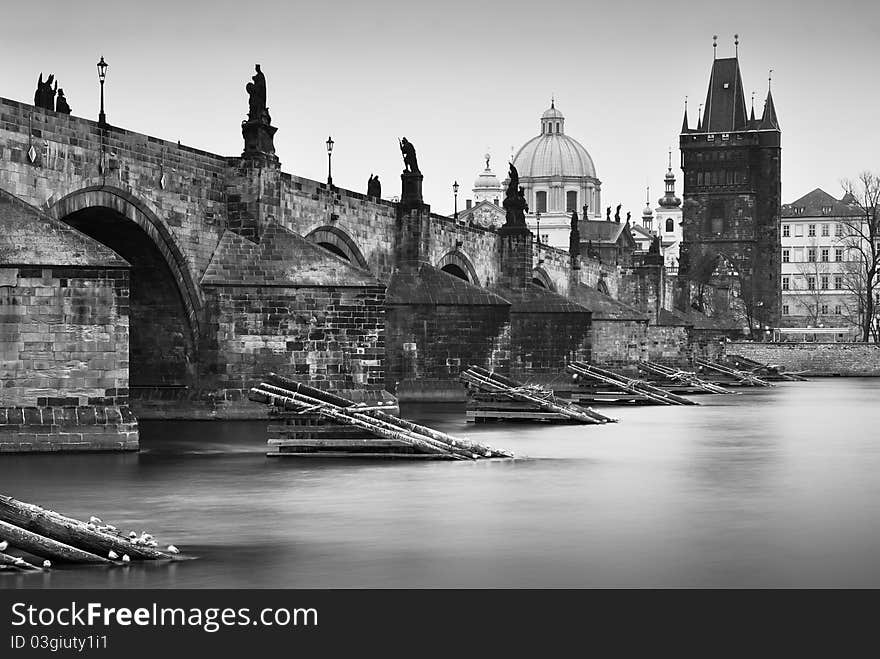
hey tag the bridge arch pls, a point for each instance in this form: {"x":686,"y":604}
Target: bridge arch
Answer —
{"x":165,"y":303}
{"x":542,"y":279}
{"x":457,"y":264}
{"x":340,"y":243}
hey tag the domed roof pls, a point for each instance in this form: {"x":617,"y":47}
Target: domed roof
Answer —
{"x":553,"y":153}
{"x":487,"y":178}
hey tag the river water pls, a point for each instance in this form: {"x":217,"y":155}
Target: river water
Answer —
{"x":774,"y":487}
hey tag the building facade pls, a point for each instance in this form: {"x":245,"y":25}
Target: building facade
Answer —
{"x":818,"y":268}
{"x":732,"y":205}
{"x":558,"y":176}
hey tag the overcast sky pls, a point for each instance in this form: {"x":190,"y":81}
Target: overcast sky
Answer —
{"x":458,"y":78}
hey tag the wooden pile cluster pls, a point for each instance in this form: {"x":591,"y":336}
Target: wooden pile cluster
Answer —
{"x":599,"y":385}
{"x":55,"y":538}
{"x":682,"y":381}
{"x":308,"y":422}
{"x":765,"y":371}
{"x":728,"y":376}
{"x":492,"y":397}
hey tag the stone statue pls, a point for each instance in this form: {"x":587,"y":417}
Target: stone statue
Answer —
{"x":410,"y":164}
{"x":44,"y":97}
{"x":61,"y":105}
{"x":617,"y":213}
{"x":655,"y":246}
{"x":608,"y":214}
{"x":374,"y":188}
{"x":628,"y":216}
{"x":257,"y":110}
{"x":515,"y":205}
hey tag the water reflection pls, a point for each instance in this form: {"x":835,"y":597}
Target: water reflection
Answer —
{"x":775,"y":487}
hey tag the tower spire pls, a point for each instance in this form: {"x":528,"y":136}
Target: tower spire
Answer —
{"x":684,"y":124}
{"x":736,"y":45}
{"x":714,"y":46}
{"x":700,"y":119}
{"x":752,"y":118}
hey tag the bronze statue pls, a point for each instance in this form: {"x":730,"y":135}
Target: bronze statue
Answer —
{"x":617,"y":213}
{"x":608,"y":214}
{"x":61,"y":105}
{"x":44,"y":97}
{"x":257,"y":110}
{"x":410,"y":164}
{"x":374,"y":188}
{"x":515,"y":204}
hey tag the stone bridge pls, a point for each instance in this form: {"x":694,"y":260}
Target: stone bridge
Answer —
{"x":237,"y":268}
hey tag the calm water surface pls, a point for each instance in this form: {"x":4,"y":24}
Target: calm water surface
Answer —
{"x":776,"y":487}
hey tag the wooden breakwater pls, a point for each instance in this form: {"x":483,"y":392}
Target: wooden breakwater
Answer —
{"x":57,"y":539}
{"x":599,"y":385}
{"x":679,"y":380}
{"x":309,"y":422}
{"x":492,"y":397}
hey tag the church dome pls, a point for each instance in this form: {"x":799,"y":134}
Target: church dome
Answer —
{"x":553,"y":153}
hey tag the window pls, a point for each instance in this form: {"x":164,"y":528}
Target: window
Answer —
{"x":670,"y":225}
{"x":824,"y":309}
{"x":699,"y":178}
{"x":784,"y":309}
{"x":838,"y":254}
{"x":837,"y":310}
{"x":785,"y":231}
{"x":541,"y":201}
{"x":824,"y":255}
{"x":798,"y":255}
{"x":811,"y":230}
{"x":825,"y":229}
{"x":545,"y":238}
{"x":838,"y":230}
{"x":811,"y":283}
{"x":785,"y":254}
{"x":557,"y":126}
{"x":785,"y":283}
{"x":798,"y":230}
{"x":823,"y":282}
{"x":838,"y":282}
{"x":571,"y":201}
{"x":811,"y":255}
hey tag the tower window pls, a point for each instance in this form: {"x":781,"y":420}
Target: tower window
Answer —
{"x":541,"y":201}
{"x":670,"y":225}
{"x":571,"y":201}
{"x":557,"y":126}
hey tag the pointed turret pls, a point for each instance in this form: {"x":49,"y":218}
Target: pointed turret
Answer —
{"x":725,"y":103}
{"x":685,"y":128}
{"x":769,"y":120}
{"x":700,"y":118}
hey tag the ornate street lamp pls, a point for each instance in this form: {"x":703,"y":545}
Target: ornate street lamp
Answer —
{"x":455,"y":194}
{"x":329,"y":155}
{"x":102,"y":75}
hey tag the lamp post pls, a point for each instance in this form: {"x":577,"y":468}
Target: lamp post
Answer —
{"x":329,"y":156}
{"x":102,"y":75}
{"x":538,"y":220}
{"x":455,"y":194}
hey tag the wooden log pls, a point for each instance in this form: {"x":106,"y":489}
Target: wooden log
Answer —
{"x":742,"y":376}
{"x":44,"y":547}
{"x":635,"y":385}
{"x":72,"y":531}
{"x":271,"y":394}
{"x":17,"y":563}
{"x":484,"y":379}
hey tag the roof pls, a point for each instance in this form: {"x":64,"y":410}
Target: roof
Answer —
{"x":769,"y":120}
{"x":816,"y":203}
{"x":30,"y":237}
{"x":281,"y":258}
{"x":642,"y":231}
{"x":422,"y":283}
{"x":604,"y":307}
{"x":725,"y":109}
{"x":535,"y":299}
{"x":600,"y":231}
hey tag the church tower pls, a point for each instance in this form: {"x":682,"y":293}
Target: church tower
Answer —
{"x":732,"y":190}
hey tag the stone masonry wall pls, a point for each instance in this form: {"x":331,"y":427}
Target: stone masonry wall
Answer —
{"x":816,"y":359}
{"x":64,"y":359}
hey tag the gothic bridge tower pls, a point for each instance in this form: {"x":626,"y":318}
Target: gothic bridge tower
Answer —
{"x":732,"y":190}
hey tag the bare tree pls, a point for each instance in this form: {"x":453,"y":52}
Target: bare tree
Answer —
{"x":812,"y":298}
{"x":862,"y":239}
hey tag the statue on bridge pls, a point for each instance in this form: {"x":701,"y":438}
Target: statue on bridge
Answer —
{"x":374,"y":187}
{"x":655,"y":246}
{"x":44,"y":97}
{"x":257,"y":110}
{"x":608,"y":214}
{"x":617,"y":213}
{"x":61,"y":105}
{"x":515,"y":204}
{"x":410,"y":164}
